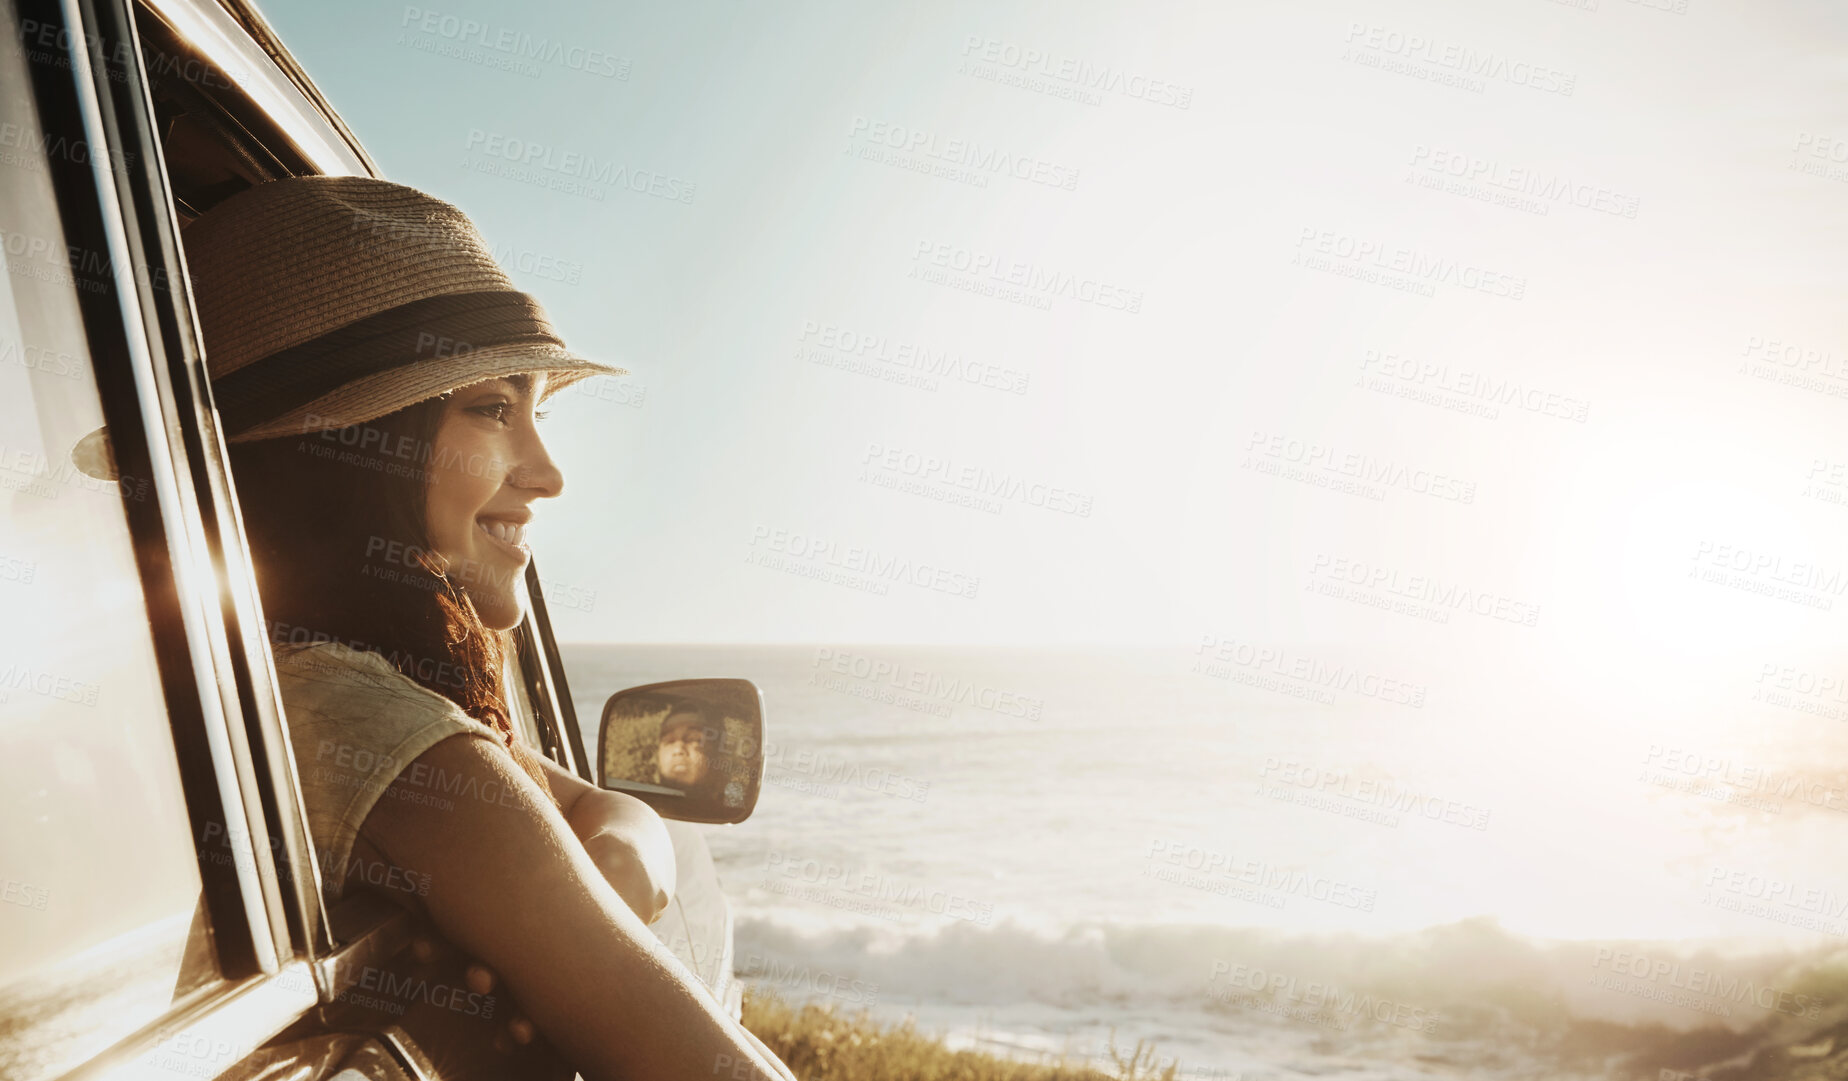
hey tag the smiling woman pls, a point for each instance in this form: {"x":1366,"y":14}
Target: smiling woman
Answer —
{"x":380,"y":380}
{"x":487,"y":466}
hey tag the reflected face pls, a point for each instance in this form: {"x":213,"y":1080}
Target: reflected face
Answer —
{"x":682,"y":757}
{"x":487,"y":466}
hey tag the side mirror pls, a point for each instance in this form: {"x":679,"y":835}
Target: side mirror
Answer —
{"x":693,"y":749}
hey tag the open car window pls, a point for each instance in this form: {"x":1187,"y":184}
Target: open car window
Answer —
{"x":105,"y":924}
{"x":102,"y":926}
{"x":158,"y":909}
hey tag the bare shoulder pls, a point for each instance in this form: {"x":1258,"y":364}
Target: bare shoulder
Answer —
{"x":460,"y":789}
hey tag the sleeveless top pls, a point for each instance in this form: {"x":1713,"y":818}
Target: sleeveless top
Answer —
{"x":356,"y":724}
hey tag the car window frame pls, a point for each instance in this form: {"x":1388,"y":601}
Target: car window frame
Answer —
{"x":546,"y":683}
{"x":141,"y":343}
{"x":283,"y":953}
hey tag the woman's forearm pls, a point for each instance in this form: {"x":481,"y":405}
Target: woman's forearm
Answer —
{"x":513,"y":887}
{"x":623,"y":836}
{"x":631,"y":849}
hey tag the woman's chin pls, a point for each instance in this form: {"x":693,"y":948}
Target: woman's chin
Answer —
{"x":500,"y":612}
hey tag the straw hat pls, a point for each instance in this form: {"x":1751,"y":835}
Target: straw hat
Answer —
{"x":328,"y":301}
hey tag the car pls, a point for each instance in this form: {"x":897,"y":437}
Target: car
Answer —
{"x":161,"y":908}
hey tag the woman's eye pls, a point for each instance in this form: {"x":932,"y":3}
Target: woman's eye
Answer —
{"x":496,"y":410}
{"x":541,"y":414}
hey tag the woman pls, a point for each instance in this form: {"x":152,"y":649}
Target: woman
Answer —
{"x":684,"y":755}
{"x":378,"y":378}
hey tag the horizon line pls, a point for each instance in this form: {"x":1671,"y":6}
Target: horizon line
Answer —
{"x":896,"y":645}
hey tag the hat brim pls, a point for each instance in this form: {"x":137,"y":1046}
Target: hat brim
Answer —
{"x":378,"y":395}
{"x":374,"y":396}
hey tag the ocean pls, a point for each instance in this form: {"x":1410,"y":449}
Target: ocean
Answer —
{"x":1268,"y":875}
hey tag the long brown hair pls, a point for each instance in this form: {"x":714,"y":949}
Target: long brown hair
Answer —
{"x":338,"y":535}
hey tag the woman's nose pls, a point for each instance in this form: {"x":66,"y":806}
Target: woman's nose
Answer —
{"x":534,"y":468}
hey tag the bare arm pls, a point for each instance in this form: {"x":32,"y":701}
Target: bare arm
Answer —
{"x":511,"y":885}
{"x":623,"y":836}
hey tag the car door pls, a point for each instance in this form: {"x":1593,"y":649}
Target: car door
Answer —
{"x":158,"y":912}
{"x":163,"y":912}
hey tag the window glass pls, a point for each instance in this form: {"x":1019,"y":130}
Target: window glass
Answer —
{"x":101,"y":925}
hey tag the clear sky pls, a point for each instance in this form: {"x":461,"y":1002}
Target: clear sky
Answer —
{"x":1495,"y":348}
{"x":1348,"y":233}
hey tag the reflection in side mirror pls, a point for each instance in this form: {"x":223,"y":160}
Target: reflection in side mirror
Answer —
{"x":693,"y":749}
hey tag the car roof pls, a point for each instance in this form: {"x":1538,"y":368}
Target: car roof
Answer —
{"x":236,"y":38}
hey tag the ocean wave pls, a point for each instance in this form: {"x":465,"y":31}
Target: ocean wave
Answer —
{"x":1660,"y":1008}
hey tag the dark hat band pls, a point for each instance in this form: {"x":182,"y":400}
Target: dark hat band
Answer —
{"x":436,"y":328}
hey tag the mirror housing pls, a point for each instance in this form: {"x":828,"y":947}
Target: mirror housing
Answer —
{"x":693,"y":749}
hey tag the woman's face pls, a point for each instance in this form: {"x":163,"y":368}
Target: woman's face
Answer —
{"x":681,"y":757}
{"x":487,"y":466}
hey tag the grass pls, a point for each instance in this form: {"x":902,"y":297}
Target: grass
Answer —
{"x":819,"y":1043}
